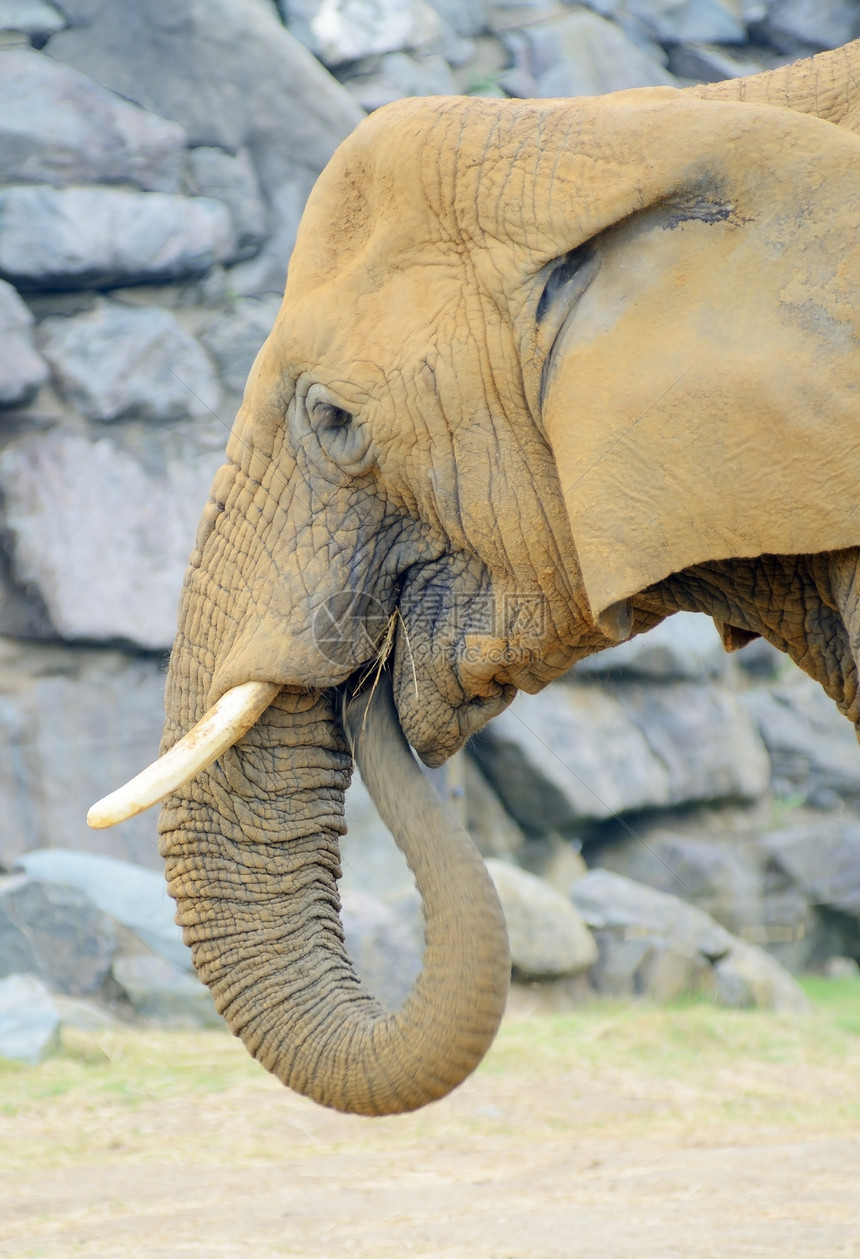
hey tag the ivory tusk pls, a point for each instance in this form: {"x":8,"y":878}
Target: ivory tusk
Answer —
{"x":224,"y":724}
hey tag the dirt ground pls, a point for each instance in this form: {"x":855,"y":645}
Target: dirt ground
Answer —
{"x":604,"y":1135}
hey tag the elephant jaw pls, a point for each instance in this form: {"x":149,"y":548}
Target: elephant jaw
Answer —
{"x":222,"y":726}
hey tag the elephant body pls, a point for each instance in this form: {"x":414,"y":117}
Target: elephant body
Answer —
{"x":545,"y":373}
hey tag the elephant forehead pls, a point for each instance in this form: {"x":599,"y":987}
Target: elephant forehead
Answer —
{"x":372,"y":324}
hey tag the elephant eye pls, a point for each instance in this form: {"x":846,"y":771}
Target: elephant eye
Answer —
{"x":339,"y":436}
{"x":327,"y":416}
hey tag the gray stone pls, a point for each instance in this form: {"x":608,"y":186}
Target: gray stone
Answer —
{"x":22,"y":369}
{"x":506,"y":15}
{"x":118,"y":362}
{"x":841,"y":968}
{"x":56,"y":933}
{"x":234,"y":337}
{"x":569,"y":754}
{"x":398,"y":75}
{"x":492,"y":828}
{"x":580,"y":54}
{"x":686,"y":645}
{"x":704,"y":63}
{"x":546,"y":933}
{"x":371,"y":861}
{"x":681,"y":21}
{"x":725,"y":878}
{"x":823,"y":859}
{"x":451,"y":47}
{"x":764,"y":662}
{"x":610,"y":901}
{"x":737,"y":882}
{"x":82,"y":1015}
{"x":577,"y":752}
{"x":231,"y":178}
{"x":59,"y":127}
{"x":232,"y":76}
{"x":135,"y":897}
{"x":29,"y":1020}
{"x":798,"y":26}
{"x":113,"y":516}
{"x":558,"y":861}
{"x":347,"y":30}
{"x":703,"y":736}
{"x":636,"y":964}
{"x":384,"y":946}
{"x":748,"y":977}
{"x":162,"y":993}
{"x":812,"y":747}
{"x":98,"y":237}
{"x":465,"y":17}
{"x":653,"y":944}
{"x":74,"y":725}
{"x":35,"y":18}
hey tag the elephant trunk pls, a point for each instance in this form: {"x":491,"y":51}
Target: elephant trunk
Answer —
{"x":253,"y":868}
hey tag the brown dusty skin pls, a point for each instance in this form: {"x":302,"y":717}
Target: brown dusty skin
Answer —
{"x":597,"y":354}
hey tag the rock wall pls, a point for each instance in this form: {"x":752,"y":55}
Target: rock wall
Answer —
{"x":154,"y":162}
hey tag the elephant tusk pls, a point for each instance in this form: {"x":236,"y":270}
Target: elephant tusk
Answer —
{"x":223,"y":725}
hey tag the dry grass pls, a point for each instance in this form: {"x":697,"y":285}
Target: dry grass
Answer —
{"x":611,"y":1130}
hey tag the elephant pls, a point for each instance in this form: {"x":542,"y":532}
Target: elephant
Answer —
{"x":545,"y":373}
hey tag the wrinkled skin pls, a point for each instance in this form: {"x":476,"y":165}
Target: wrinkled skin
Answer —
{"x":545,"y":373}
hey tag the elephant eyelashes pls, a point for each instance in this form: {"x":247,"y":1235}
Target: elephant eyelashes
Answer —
{"x":328,"y":416}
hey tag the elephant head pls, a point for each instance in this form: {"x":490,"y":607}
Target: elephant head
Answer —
{"x":533,"y":358}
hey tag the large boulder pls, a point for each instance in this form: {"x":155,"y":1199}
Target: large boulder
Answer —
{"x":652,"y":944}
{"x":677,"y":21}
{"x":736,"y":880}
{"x":85,"y":237}
{"x":492,"y":828}
{"x":231,"y":178}
{"x":396,"y":75}
{"x":34,"y":18}
{"x":580,"y":54}
{"x":101,"y":527}
{"x":234,"y":77}
{"x":579,"y":752}
{"x":124,"y":362}
{"x":813,"y":749}
{"x":337,"y":31}
{"x":135,"y":897}
{"x":22,"y":369}
{"x":55,"y":932}
{"x":59,"y":127}
{"x":823,"y":859}
{"x":684,"y":646}
{"x":99,"y":928}
{"x":29,"y":1019}
{"x":796,"y":27}
{"x":160,"y":992}
{"x":74,"y":725}
{"x":233,"y":338}
{"x":547,"y":935}
{"x":723,"y":876}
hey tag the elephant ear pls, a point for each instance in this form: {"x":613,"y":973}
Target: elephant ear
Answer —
{"x":701,"y":392}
